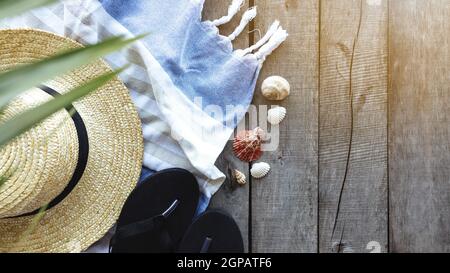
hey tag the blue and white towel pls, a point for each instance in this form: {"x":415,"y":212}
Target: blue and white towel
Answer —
{"x":208,"y":86}
{"x":190,"y":86}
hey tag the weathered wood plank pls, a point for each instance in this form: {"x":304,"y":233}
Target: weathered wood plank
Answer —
{"x":284,"y":204}
{"x":353,"y":204}
{"x":231,"y":197}
{"x":419,"y":136}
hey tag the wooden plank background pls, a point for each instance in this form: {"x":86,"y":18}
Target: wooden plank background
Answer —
{"x":364,"y":156}
{"x":419,"y":140}
{"x":353,"y":125}
{"x":284,"y":204}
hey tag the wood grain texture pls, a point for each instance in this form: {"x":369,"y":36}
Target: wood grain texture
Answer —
{"x":419,"y":138}
{"x":328,"y":190}
{"x":232,"y":198}
{"x":353,"y":125}
{"x":284,"y":204}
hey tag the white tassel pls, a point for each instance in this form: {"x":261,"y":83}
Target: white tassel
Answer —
{"x":273,"y":28}
{"x":248,"y":16}
{"x":275,"y":41}
{"x":232,"y":11}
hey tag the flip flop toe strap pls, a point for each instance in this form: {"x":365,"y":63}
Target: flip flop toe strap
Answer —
{"x":137,"y":228}
{"x":154,"y":226}
{"x":206,"y":245}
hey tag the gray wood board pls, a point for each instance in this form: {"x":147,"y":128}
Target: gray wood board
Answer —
{"x":284,"y":204}
{"x":419,"y":135}
{"x":353,"y":126}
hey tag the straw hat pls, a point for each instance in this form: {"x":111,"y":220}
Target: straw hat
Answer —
{"x":68,"y":177}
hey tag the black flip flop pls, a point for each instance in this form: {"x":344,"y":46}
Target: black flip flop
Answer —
{"x":157,"y":213}
{"x":212,"y":232}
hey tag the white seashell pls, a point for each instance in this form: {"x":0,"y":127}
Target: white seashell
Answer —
{"x":275,"y":88}
{"x":240,"y":177}
{"x":259,"y":170}
{"x":276,"y":115}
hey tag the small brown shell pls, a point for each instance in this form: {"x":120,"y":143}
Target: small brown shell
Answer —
{"x":241,"y":179}
{"x":247,"y":145}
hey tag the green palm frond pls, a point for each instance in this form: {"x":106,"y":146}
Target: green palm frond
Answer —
{"x":9,"y":8}
{"x":3,"y":179}
{"x":16,"y":81}
{"x":34,"y":223}
{"x":26,"y":120}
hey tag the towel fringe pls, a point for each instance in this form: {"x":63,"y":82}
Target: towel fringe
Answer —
{"x":232,"y":11}
{"x":248,"y":16}
{"x":272,"y":29}
{"x":274,"y":42}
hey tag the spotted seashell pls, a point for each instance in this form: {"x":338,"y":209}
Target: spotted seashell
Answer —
{"x":259,"y":170}
{"x":275,"y":88}
{"x":276,"y":115}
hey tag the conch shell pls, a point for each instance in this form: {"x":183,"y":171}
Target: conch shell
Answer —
{"x":276,"y":115}
{"x":240,"y":177}
{"x":275,"y":88}
{"x":247,"y":145}
{"x":259,"y":170}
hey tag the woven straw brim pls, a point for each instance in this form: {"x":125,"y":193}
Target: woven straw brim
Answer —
{"x":114,"y":162}
{"x":32,"y":162}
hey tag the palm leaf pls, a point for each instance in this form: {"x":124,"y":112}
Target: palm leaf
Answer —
{"x":26,"y":120}
{"x":5,"y":177}
{"x":25,"y":77}
{"x":9,"y":8}
{"x":2,"y":180}
{"x":34,"y":223}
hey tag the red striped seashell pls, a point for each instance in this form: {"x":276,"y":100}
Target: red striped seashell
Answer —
{"x":247,"y":145}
